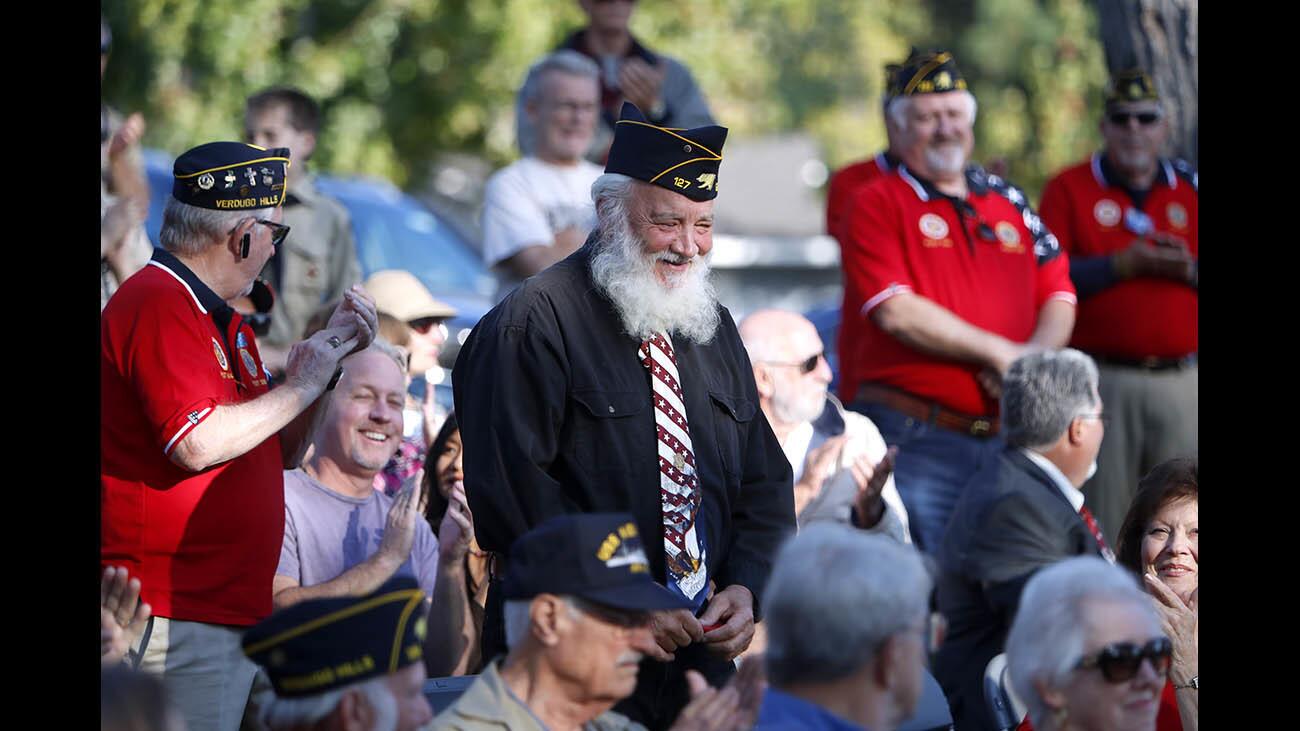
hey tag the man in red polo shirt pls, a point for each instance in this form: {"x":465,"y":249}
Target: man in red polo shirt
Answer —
{"x":1128,"y":219}
{"x":949,"y":277}
{"x":192,"y":442}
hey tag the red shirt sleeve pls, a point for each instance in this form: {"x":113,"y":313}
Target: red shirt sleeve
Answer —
{"x":177,"y":369}
{"x":1057,"y":213}
{"x":873,"y":260}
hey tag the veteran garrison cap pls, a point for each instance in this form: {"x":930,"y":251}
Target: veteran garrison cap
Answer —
{"x":1131,"y":85}
{"x":926,"y":72}
{"x":594,"y":556}
{"x":684,"y":161}
{"x":322,"y":644}
{"x":228,"y":176}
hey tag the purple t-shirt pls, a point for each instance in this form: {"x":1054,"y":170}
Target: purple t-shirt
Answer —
{"x":326,"y":533}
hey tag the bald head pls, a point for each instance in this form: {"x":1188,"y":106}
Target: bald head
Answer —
{"x":772,"y":335}
{"x":780,"y":343}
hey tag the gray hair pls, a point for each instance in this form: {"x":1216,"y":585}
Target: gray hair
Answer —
{"x":881,"y":587}
{"x":517,"y":616}
{"x":611,"y":193}
{"x":384,"y":347}
{"x":188,"y":229}
{"x":293,"y":712}
{"x":565,"y":61}
{"x":896,"y":108}
{"x":1047,"y":637}
{"x":1043,"y":392}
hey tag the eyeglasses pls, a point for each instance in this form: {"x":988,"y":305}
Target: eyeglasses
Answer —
{"x":1120,"y":661}
{"x":425,"y":324}
{"x":1146,"y":119}
{"x":279,"y":231}
{"x":622,"y":618}
{"x":805,"y":366}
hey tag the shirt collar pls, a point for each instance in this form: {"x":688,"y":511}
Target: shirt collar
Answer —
{"x":208,"y":301}
{"x":1071,"y":493}
{"x":886,"y":162}
{"x":977,"y":181}
{"x":1104,"y":173}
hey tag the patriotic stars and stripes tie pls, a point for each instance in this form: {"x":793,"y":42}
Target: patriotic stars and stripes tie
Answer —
{"x":679,"y":486}
{"x":1106,"y":553}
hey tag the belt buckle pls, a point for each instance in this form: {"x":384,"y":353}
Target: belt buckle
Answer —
{"x":980,"y":427}
{"x":1150,"y":363}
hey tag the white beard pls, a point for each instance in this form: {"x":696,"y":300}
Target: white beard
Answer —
{"x":947,"y":158}
{"x":626,"y":274}
{"x":796,"y":408}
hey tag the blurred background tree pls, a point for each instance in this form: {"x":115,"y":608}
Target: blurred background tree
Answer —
{"x":403,"y":82}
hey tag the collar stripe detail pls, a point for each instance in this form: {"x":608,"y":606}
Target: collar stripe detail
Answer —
{"x":1096,"y":170}
{"x":916,"y":185}
{"x":1169,"y":174}
{"x":670,"y":131}
{"x":184,"y":284}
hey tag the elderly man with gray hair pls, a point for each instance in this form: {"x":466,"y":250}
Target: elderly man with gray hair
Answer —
{"x":1086,"y":651}
{"x":538,"y":210}
{"x":194,"y":439}
{"x":848,"y":653}
{"x":1019,"y":513}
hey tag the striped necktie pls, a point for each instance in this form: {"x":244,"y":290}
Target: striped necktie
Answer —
{"x":679,"y":486}
{"x":1106,"y":553}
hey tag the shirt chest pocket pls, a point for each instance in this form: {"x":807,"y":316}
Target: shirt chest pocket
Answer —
{"x":731,"y":417}
{"x":605,"y":428}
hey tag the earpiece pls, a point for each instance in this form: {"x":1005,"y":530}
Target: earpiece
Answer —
{"x":243,"y":249}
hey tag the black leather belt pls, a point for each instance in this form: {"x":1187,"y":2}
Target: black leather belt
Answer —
{"x":1148,"y":364}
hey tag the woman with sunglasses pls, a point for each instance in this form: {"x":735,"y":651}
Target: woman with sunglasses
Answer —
{"x":1159,"y":540}
{"x":443,"y":502}
{"x":1086,"y":651}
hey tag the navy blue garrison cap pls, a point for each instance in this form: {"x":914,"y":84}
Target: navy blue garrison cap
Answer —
{"x":228,"y":176}
{"x":684,"y":161}
{"x":321,"y":644}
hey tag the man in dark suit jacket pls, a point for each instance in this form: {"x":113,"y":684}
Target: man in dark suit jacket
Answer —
{"x":1019,"y":513}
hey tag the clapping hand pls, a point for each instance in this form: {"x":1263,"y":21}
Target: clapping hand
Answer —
{"x":122,"y":618}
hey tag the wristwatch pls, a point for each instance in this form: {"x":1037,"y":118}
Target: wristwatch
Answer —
{"x":1193,"y":684}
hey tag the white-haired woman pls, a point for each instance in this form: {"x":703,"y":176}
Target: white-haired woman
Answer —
{"x":1086,"y":651}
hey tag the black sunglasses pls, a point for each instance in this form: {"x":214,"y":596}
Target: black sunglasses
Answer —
{"x":1120,"y":661}
{"x":805,"y":366}
{"x":1143,"y":118}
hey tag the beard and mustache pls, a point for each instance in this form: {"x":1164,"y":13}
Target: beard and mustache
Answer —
{"x":625,"y":273}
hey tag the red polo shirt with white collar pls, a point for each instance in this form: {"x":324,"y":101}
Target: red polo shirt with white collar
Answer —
{"x":204,"y":545}
{"x":994,"y":265}
{"x":1093,"y":216}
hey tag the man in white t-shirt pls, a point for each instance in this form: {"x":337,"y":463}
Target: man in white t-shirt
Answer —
{"x":538,"y":210}
{"x":834,"y":452}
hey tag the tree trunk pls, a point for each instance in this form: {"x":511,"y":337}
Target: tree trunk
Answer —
{"x":1158,"y":36}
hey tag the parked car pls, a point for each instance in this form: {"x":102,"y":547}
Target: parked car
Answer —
{"x":393,"y":230}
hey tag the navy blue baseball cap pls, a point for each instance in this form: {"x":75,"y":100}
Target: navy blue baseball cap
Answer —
{"x":593,"y":556}
{"x":229,"y":176}
{"x":684,"y":161}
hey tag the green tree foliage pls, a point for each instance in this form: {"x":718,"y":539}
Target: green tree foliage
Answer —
{"x":403,"y":81}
